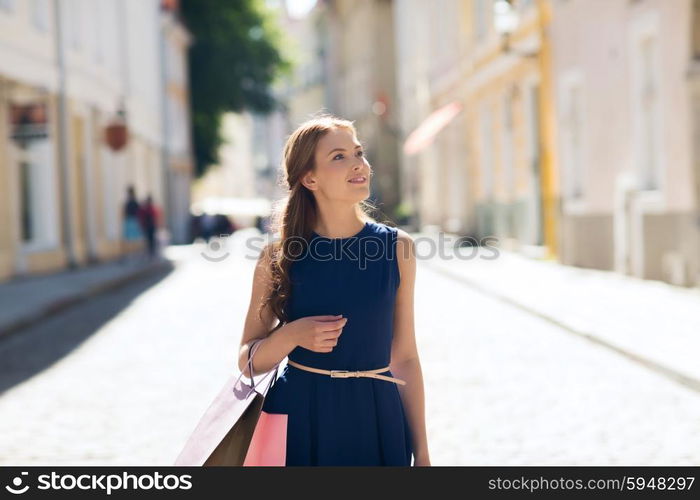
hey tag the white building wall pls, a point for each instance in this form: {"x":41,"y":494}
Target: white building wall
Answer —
{"x":111,"y":56}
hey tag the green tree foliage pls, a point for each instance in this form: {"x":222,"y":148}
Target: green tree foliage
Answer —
{"x":235,"y":59}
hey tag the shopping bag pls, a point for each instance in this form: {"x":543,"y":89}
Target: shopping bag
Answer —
{"x":268,"y":446}
{"x":225,"y":431}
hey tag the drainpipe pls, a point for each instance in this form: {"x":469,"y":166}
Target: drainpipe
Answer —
{"x":163,"y":24}
{"x":68,"y":231}
{"x":549,"y":190}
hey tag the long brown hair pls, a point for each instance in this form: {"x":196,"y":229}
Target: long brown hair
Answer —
{"x":295,"y":215}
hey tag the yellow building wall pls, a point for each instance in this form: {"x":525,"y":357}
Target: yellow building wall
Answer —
{"x":497,"y":72}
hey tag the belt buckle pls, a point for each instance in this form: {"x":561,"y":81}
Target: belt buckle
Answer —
{"x":339,"y":374}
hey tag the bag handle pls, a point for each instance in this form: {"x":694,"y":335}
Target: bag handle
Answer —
{"x":251,"y":352}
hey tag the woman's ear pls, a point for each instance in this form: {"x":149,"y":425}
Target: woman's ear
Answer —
{"x":309,"y":181}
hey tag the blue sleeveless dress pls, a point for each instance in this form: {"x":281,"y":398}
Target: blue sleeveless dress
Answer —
{"x":345,"y":421}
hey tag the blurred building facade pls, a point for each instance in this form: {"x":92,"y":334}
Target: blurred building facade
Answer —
{"x":178,"y":162}
{"x":233,"y":176}
{"x":300,"y":95}
{"x":250,"y":158}
{"x":508,"y":102}
{"x":343,"y":54}
{"x":694,"y":84}
{"x":67,"y":67}
{"x":572,"y":146}
{"x":360,"y":74}
{"x":625,"y":119}
{"x":508,"y":118}
{"x":250,"y":163}
{"x":306,"y":91}
{"x":482,"y":172}
{"x":432,"y":48}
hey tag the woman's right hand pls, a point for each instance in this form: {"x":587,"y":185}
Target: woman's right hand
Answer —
{"x":317,"y":333}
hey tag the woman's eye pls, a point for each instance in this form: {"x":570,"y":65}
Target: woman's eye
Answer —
{"x":362,"y":153}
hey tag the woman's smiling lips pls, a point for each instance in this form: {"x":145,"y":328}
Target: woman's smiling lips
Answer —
{"x":360,"y":179}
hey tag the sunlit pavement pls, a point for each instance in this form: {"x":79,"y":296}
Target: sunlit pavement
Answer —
{"x":124,"y":378}
{"x":650,"y":321}
{"x":508,"y":387}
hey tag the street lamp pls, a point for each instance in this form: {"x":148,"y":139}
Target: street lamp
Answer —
{"x":506,"y":21}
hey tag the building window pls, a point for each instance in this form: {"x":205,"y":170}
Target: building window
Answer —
{"x":572,"y":138}
{"x":37,"y":195}
{"x":648,"y":101}
{"x":486,"y":156}
{"x":7,"y":5}
{"x":74,"y":22}
{"x":111,"y":164}
{"x":532,"y":125}
{"x":483,"y":10}
{"x":95,"y":40}
{"x":26,"y":201}
{"x":508,"y":146}
{"x":29,"y":131}
{"x":40,"y":14}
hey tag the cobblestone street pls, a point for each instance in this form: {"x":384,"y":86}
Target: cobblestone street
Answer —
{"x":506,"y":387}
{"x":123,"y":378}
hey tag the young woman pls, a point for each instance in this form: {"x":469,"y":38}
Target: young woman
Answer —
{"x":341,"y":287}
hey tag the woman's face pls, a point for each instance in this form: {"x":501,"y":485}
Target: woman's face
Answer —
{"x":339,"y":159}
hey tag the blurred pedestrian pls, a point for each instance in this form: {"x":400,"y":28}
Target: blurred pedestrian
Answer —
{"x":223,"y":225}
{"x":208,"y":226}
{"x":195,"y":227}
{"x":150,"y":221}
{"x":263,"y":224}
{"x":131,"y":228}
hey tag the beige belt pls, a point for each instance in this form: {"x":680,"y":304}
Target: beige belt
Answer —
{"x":348,"y":374}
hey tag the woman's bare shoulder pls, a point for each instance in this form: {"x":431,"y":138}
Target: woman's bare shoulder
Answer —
{"x":404,"y":240}
{"x":405,"y":255}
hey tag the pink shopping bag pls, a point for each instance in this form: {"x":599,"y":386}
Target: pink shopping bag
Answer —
{"x":268,"y":446}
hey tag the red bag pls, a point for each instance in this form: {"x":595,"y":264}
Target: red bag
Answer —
{"x":229,"y":427}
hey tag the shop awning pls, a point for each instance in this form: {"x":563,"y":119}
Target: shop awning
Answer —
{"x":424,"y":134}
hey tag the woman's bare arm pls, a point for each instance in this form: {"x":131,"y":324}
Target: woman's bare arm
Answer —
{"x":277,"y":345}
{"x":405,"y":363}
